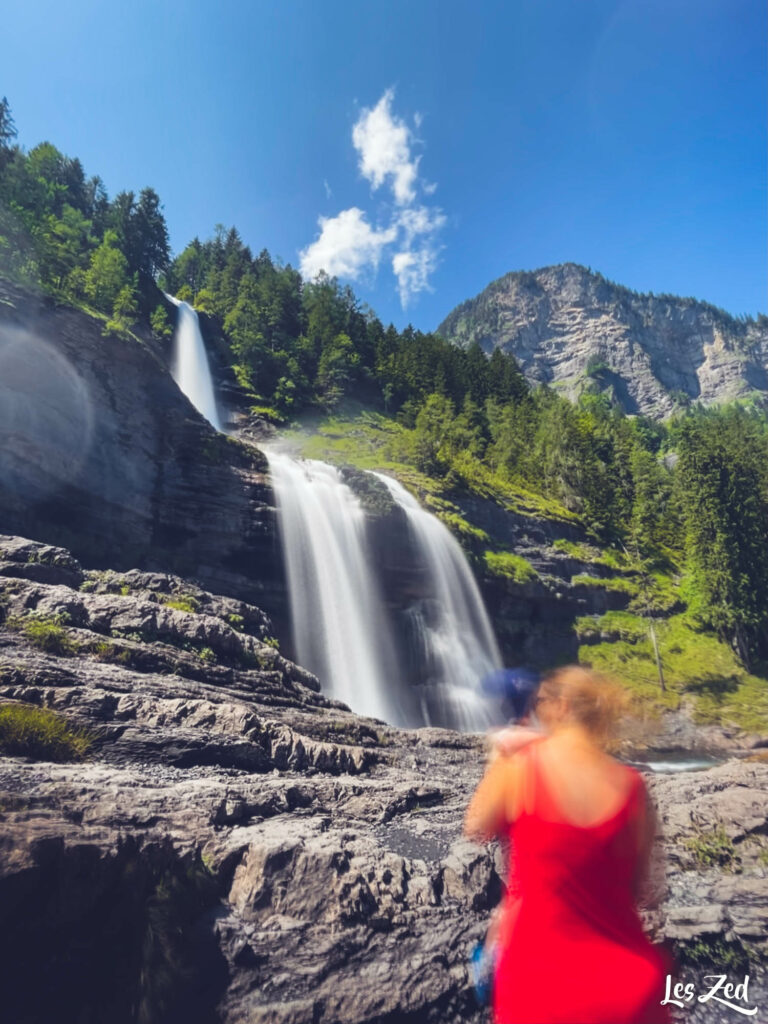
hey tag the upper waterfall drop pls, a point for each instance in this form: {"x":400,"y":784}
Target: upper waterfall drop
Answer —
{"x":459,"y":645}
{"x":340,"y":626}
{"x":190,"y":367}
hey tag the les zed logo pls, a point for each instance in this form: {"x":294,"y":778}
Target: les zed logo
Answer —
{"x":679,"y":992}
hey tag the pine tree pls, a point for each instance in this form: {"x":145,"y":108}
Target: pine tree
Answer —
{"x":722,"y":479}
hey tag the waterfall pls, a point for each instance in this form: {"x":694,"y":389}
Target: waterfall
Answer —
{"x":340,"y":627}
{"x":451,"y":623}
{"x":190,"y":363}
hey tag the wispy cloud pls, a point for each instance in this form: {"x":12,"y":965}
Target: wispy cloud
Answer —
{"x":413,"y":268}
{"x":348,"y":245}
{"x":416,"y":260}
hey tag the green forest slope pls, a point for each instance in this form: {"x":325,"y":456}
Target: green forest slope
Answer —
{"x":677,"y":511}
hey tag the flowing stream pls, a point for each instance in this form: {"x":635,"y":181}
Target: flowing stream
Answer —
{"x":679,"y":762}
{"x":190,"y":363}
{"x":455,"y":633}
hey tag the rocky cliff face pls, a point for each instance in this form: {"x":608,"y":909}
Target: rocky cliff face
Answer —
{"x":101,"y":452}
{"x":651,"y":352}
{"x":239,"y":847}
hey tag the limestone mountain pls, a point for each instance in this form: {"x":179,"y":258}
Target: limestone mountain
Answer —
{"x":569,"y":327}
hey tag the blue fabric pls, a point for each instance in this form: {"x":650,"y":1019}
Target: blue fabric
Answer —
{"x":483,"y":964}
{"x":515,"y":686}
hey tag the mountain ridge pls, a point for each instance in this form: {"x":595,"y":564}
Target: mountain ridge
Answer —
{"x":571,"y":328}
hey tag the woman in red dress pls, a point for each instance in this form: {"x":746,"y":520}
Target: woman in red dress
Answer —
{"x":571,"y":945}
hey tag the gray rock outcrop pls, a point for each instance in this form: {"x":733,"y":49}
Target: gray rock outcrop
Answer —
{"x":240,"y":847}
{"x":565,"y":323}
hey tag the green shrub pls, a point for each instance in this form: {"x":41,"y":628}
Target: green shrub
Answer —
{"x":459,"y":525}
{"x":29,"y":731}
{"x":182,"y":603}
{"x":715,"y":953}
{"x":159,"y":323}
{"x":595,"y":366}
{"x":712,"y":849}
{"x":182,"y":893}
{"x":613,"y":583}
{"x":267,"y":412}
{"x":244,"y":377}
{"x":615,"y":625}
{"x":45,"y":632}
{"x":697,"y":667}
{"x":110,"y":653}
{"x":609,"y":557}
{"x":510,"y":566}
{"x":207,"y":654}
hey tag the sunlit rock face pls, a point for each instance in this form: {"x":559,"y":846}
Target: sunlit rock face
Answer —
{"x":101,"y":451}
{"x":572,"y":329}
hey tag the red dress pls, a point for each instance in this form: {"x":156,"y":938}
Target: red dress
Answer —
{"x":573,"y":950}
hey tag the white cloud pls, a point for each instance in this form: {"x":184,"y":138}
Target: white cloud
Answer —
{"x":327,"y":187}
{"x":413,"y":269}
{"x":420,"y":220}
{"x":414,"y":264}
{"x":347,"y":245}
{"x":383,"y":142}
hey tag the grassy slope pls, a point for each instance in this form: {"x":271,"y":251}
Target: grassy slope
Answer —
{"x":699,"y":669}
{"x":372,"y":441}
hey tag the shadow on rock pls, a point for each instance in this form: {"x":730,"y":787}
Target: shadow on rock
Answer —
{"x":125,"y":937}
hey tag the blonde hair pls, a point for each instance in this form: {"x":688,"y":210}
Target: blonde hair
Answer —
{"x":592,"y":701}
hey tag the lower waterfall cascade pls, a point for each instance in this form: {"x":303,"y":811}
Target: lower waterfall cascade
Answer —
{"x":343,"y":629}
{"x":339,"y":623}
{"x":459,"y":645}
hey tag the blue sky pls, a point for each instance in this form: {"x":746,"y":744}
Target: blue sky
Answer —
{"x":444,"y":143}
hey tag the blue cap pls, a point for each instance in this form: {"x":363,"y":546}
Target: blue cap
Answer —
{"x":516,"y":686}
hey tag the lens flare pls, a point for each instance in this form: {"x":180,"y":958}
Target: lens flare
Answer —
{"x":46,"y":416}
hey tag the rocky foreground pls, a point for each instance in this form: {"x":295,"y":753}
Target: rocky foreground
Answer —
{"x":238,"y":847}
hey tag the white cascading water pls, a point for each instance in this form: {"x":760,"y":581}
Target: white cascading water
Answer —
{"x":340,"y":627}
{"x":458,"y":641}
{"x":190,"y":367}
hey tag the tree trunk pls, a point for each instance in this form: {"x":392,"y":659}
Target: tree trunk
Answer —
{"x":742,"y":648}
{"x":659,"y":669}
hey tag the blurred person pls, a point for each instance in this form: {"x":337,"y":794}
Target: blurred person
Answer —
{"x":570,"y":946}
